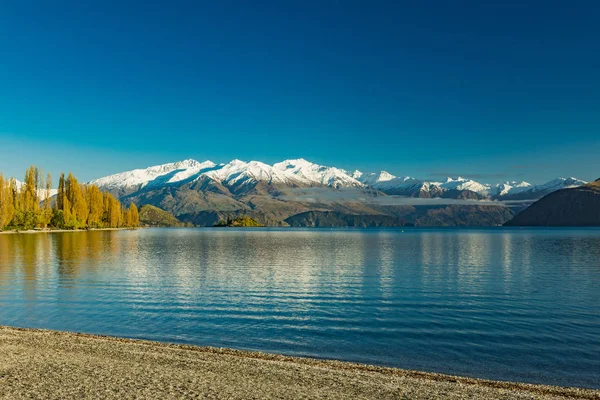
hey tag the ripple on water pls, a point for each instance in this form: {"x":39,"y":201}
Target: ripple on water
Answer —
{"x":491,"y":303}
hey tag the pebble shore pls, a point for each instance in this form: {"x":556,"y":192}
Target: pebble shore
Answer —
{"x":40,"y":364}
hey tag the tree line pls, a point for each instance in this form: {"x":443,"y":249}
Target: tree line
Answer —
{"x":30,"y":204}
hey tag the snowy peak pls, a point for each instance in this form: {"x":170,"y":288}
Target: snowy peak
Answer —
{"x":239,"y":172}
{"x":524,"y":190}
{"x":409,"y":186}
{"x":538,"y":191}
{"x":313,"y":174}
{"x":170,"y":173}
{"x":371,"y":178}
{"x":561,"y":183}
{"x":398,"y":181}
{"x":290,"y":164}
{"x":299,"y":172}
{"x":460,"y":183}
{"x":302,"y":173}
{"x":504,"y":188}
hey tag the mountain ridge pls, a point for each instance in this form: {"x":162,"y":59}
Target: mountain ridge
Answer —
{"x":238,"y":174}
{"x":202,"y":192}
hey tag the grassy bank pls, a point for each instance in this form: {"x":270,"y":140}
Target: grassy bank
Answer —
{"x":49,"y":364}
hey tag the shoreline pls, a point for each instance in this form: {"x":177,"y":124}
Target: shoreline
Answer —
{"x":300,"y":228}
{"x":31,"y":231}
{"x":52,"y":364}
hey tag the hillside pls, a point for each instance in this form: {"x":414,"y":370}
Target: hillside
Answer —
{"x":467,"y":215}
{"x":578,"y":206}
{"x":322,"y":219}
{"x":154,"y":216}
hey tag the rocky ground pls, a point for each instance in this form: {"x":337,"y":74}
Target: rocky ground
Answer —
{"x":57,"y":365}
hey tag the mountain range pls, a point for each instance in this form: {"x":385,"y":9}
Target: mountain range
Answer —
{"x":203,"y":192}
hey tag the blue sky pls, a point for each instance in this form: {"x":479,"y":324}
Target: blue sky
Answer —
{"x":493,"y":90}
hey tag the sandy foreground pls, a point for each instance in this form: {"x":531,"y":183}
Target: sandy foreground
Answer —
{"x":59,"y":365}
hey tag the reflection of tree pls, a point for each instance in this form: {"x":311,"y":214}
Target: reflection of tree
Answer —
{"x":7,"y":256}
{"x":127,"y":243}
{"x":68,"y":252}
{"x":25,"y":255}
{"x":75,"y":251}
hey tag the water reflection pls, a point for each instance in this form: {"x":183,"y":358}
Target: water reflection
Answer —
{"x":505,"y":304}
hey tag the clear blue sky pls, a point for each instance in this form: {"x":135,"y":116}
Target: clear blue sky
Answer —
{"x":489,"y":89}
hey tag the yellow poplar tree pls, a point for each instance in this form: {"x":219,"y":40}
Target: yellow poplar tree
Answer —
{"x":6,"y":202}
{"x":47,"y":213}
{"x":76,"y":206}
{"x":60,"y":197}
{"x":29,"y":191}
{"x":67,"y":212}
{"x":134,"y":216}
{"x":95,"y":206}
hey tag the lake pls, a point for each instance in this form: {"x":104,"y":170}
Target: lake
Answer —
{"x":497,"y":303}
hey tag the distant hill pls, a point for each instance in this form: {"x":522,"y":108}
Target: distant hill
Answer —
{"x":154,"y":216}
{"x":579,"y":206}
{"x":473,"y":215}
{"x":322,"y":219}
{"x":469,"y":215}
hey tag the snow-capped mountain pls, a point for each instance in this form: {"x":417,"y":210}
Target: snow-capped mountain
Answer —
{"x":239,"y":172}
{"x":164,"y":174}
{"x":422,"y":189}
{"x":526,"y":192}
{"x":204,"y":192}
{"x":505,"y":188}
{"x":560,"y":183}
{"x":459,"y":183}
{"x":500,"y":191}
{"x":236,"y":173}
{"x":409,"y":186}
{"x":419,"y":188}
{"x":240,"y":175}
{"x":372,"y":178}
{"x":313,"y":174}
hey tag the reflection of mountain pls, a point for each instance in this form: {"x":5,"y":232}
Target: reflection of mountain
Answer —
{"x":203,"y":193}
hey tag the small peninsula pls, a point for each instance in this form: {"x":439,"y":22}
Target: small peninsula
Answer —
{"x":239,"y":222}
{"x":151,"y":216}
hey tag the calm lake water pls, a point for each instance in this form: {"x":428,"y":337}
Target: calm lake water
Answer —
{"x":496,"y":303}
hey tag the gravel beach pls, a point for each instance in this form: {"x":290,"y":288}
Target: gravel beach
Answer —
{"x":58,"y":365}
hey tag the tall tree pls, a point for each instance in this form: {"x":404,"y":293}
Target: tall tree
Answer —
{"x":134,"y":216}
{"x":47,"y":213}
{"x":6,"y":202}
{"x":29,"y":204}
{"x":95,"y":206}
{"x":60,"y":198}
